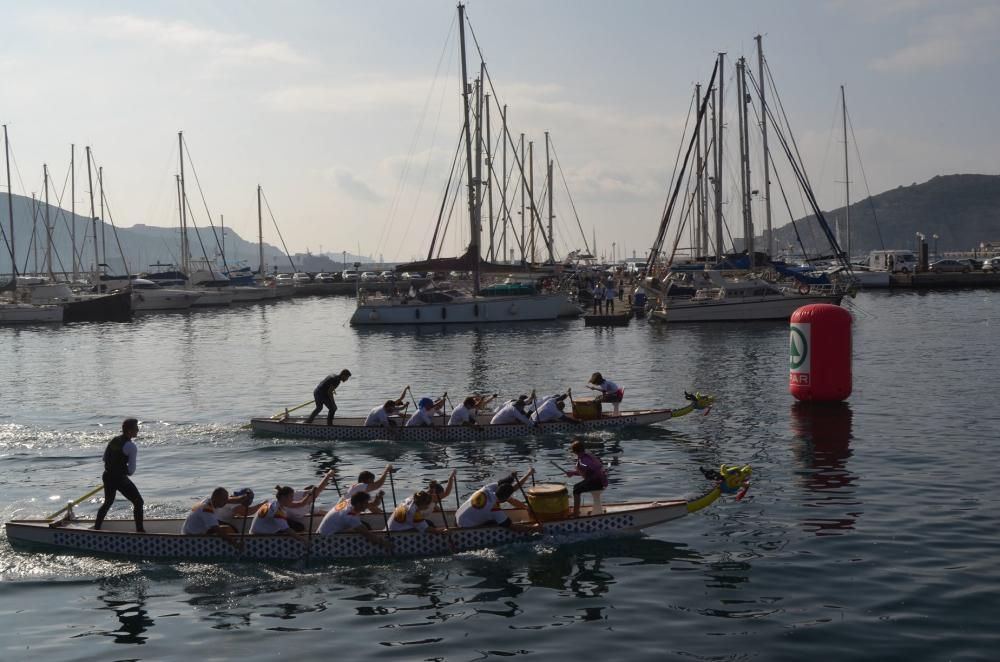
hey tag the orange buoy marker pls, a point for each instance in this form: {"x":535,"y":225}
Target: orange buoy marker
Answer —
{"x":820,"y":353}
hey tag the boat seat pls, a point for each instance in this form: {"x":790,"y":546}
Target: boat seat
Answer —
{"x":597,"y":508}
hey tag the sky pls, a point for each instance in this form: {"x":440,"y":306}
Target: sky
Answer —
{"x":347,"y":113}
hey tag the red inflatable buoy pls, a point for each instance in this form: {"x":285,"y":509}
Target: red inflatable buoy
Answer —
{"x":820,"y":353}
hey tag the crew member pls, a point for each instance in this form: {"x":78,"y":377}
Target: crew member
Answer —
{"x":465,"y":413}
{"x":272,"y":517}
{"x":512,"y":412}
{"x":483,"y":507}
{"x":379,"y":416}
{"x":346,"y":518}
{"x":610,"y":392}
{"x":409,"y":515}
{"x":424,"y":416}
{"x":300,"y":511}
{"x":367,"y":483}
{"x":238,"y":504}
{"x":119,"y":463}
{"x":323,"y":394}
{"x":440,"y":492}
{"x":204,"y":516}
{"x":595,"y":476}
{"x":553,"y":409}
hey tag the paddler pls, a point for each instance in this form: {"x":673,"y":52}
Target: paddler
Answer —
{"x":367,"y":483}
{"x":424,"y":416}
{"x":465,"y":413}
{"x":441,"y":492}
{"x":610,"y":392}
{"x":272,"y":518}
{"x":379,"y":416}
{"x":203,"y":520}
{"x":324,"y":392}
{"x":512,"y":412}
{"x":347,"y":519}
{"x":119,"y":463}
{"x":301,"y":509}
{"x":482,"y":508}
{"x":593,"y":472}
{"x":409,"y":515}
{"x":551,"y":409}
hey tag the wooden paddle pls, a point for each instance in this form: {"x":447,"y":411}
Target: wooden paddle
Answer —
{"x":287,"y":411}
{"x":385,"y":518}
{"x":527,"y":503}
{"x":392,"y":486}
{"x":76,"y":502}
{"x":309,"y":533}
{"x":447,"y":528}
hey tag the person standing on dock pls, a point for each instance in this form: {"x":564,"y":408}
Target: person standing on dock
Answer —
{"x":609,"y":297}
{"x":323,"y":394}
{"x":119,"y":463}
{"x":598,"y":294}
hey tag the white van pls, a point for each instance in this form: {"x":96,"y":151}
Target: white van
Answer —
{"x":899,"y":261}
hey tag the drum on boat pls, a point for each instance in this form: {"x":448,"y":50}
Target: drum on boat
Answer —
{"x":587,"y":409}
{"x":549,"y":501}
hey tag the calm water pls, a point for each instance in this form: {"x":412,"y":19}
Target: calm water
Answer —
{"x":870,"y":531}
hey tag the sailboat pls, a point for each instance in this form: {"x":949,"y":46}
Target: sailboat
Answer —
{"x":450,"y":305}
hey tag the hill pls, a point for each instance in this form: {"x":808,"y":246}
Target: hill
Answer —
{"x":963,"y":210}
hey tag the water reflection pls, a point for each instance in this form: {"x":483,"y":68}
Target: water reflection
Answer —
{"x":128,"y":603}
{"x":824,"y":430}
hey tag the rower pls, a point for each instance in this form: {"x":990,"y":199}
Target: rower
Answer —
{"x":367,"y":483}
{"x":441,"y":492}
{"x":238,"y":504}
{"x":301,"y":510}
{"x":323,"y":395}
{"x":347,"y":519}
{"x":424,"y":416}
{"x":610,"y":392}
{"x":379,"y":416}
{"x":553,"y":409}
{"x":595,"y":478}
{"x":465,"y":413}
{"x":119,"y":463}
{"x":483,"y":507}
{"x":409,"y":515}
{"x":512,"y":412}
{"x":272,"y":517}
{"x":203,"y":520}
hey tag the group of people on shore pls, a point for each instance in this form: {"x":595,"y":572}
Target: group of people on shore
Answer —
{"x":292,"y":512}
{"x":526,"y":409}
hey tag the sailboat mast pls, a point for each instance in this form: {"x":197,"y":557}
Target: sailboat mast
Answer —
{"x":93,"y":222}
{"x":100,"y":188}
{"x":48,"y":227}
{"x":847,"y":177}
{"x":700,"y":216}
{"x":531,"y":196}
{"x":34,"y":230}
{"x":479,"y":142}
{"x":72,"y":209}
{"x":717,"y":151}
{"x":473,"y":205}
{"x":260,"y":234}
{"x":10,"y":205}
{"x":548,"y":162}
{"x":767,"y":156}
{"x":506,"y":220}
{"x":744,"y":99}
{"x":184,"y":235}
{"x":489,"y":181}
{"x":524,"y":238}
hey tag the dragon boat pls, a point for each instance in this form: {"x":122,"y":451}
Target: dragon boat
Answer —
{"x":354,"y":429}
{"x":163,"y":540}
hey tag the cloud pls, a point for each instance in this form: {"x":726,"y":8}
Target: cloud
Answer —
{"x":355,"y":188}
{"x":944,"y":40}
{"x":219,"y":46}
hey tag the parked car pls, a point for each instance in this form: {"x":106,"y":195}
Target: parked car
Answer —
{"x":368,"y":277}
{"x":326,"y":278}
{"x":387,"y":275}
{"x":301,"y":277}
{"x":349,"y":275}
{"x":284,"y":278}
{"x":992,"y":264}
{"x":950,"y":266}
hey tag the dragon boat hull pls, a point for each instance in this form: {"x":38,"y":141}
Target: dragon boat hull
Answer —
{"x":162,"y":539}
{"x":353,"y":429}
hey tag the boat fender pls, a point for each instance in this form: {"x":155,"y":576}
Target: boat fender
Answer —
{"x":444,"y":313}
{"x":803,"y":289}
{"x":416,"y":313}
{"x":513,"y":309}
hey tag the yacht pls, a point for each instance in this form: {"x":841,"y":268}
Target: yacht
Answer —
{"x":147,"y":295}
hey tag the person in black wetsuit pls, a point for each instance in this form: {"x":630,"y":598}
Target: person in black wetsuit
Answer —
{"x":119,"y":463}
{"x":323,"y":394}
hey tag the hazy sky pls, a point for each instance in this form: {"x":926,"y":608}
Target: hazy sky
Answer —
{"x":347,"y":112}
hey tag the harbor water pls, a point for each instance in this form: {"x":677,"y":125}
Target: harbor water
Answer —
{"x":869,"y":532}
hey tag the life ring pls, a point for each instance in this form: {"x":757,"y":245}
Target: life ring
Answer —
{"x":803,"y":289}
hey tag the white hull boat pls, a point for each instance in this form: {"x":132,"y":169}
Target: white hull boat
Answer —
{"x":744,"y":310}
{"x":163,"y":299}
{"x":26,"y":313}
{"x":248,"y":293}
{"x":454,"y":307}
{"x":213,"y":296}
{"x":354,"y":429}
{"x":163,"y":540}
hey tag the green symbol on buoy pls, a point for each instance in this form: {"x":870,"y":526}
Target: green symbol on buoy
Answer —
{"x":799,"y":349}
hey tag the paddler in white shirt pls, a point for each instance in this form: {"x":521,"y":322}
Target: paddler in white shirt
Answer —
{"x":409,"y":515}
{"x":512,"y":412}
{"x":203,"y":520}
{"x":301,"y":510}
{"x":424,"y":416}
{"x":483,"y":506}
{"x":346,"y":518}
{"x":379,"y":416}
{"x":272,"y":519}
{"x":367,"y":483}
{"x":553,"y":409}
{"x":465,"y":413}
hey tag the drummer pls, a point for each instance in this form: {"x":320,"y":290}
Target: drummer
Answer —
{"x":593,"y":472}
{"x":483,"y":507}
{"x":610,"y":392}
{"x":346,"y":518}
{"x":512,"y":412}
{"x":409,"y":515}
